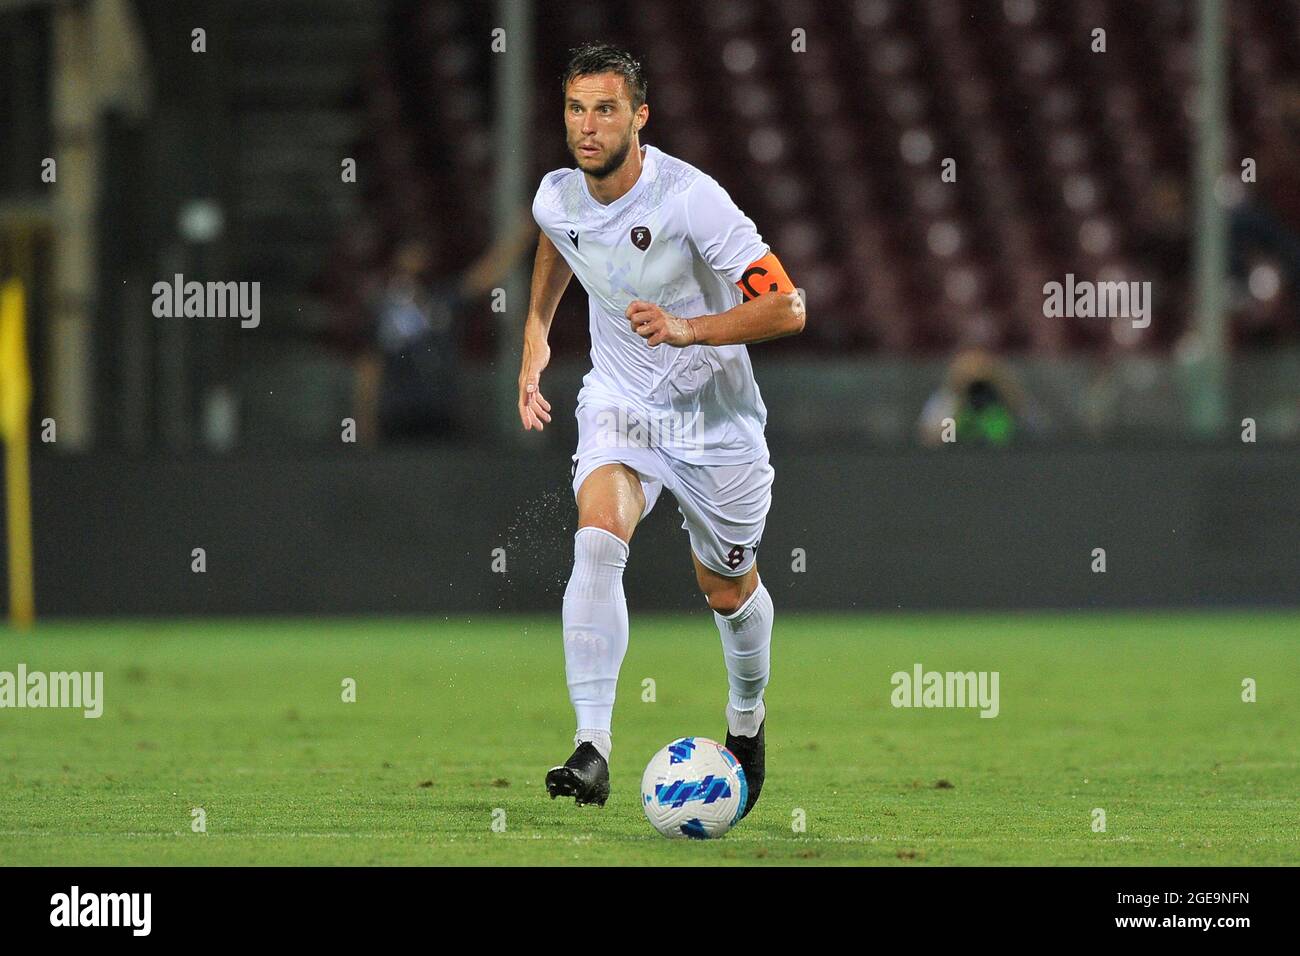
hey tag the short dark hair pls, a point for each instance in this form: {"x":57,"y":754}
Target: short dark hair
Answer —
{"x":591,"y":58}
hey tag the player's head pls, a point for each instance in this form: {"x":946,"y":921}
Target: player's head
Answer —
{"x":604,"y":106}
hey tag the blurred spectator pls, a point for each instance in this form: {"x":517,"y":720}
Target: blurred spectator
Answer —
{"x":1161,"y":241}
{"x":984,"y":401}
{"x":408,"y":374}
{"x":1268,"y":220}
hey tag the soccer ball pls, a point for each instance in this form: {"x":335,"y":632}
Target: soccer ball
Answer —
{"x":694,"y":787}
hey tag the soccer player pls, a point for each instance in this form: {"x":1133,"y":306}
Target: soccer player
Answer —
{"x":678,"y":281}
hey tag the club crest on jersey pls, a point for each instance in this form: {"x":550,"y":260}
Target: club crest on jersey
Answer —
{"x":641,"y":237}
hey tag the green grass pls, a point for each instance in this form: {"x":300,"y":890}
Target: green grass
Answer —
{"x":1140,"y":715}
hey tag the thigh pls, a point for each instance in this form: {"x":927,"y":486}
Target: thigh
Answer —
{"x":602,"y":448}
{"x":611,"y":498}
{"x":724,"y":510}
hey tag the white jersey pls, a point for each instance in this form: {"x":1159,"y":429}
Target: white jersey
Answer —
{"x":677,"y":240}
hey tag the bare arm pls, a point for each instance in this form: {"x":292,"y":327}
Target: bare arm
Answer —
{"x":551,"y":275}
{"x":771,"y":315}
{"x":766,"y":313}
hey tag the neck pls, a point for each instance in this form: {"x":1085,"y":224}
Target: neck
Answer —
{"x":617,"y":183}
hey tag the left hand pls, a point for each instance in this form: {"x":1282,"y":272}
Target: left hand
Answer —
{"x":655,"y":325}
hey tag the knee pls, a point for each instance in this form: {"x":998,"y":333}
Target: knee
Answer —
{"x":727,"y":598}
{"x":608,"y":525}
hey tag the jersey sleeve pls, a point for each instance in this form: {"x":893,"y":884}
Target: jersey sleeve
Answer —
{"x":540,"y":211}
{"x":725,"y":237}
{"x":547,"y":202}
{"x":547,"y":217}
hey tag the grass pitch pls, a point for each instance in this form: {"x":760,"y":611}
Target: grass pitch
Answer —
{"x":456,"y":722}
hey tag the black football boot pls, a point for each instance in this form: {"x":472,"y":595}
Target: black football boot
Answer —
{"x":750,"y":752}
{"x":584,"y":776}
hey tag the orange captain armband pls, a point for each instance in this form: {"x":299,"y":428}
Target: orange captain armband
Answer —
{"x":765,"y":275}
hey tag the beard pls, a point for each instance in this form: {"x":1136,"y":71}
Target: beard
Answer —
{"x":615,"y":160}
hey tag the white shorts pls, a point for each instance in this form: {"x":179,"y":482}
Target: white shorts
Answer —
{"x":724,"y":507}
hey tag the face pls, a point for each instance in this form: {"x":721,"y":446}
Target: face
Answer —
{"x":599,"y":123}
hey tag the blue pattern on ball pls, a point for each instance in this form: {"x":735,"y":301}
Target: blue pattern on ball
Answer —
{"x":694,"y":829}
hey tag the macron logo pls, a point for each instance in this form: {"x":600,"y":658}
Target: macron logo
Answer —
{"x":103,"y":909}
{"x":573,"y":234}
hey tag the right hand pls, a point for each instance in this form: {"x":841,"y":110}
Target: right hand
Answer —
{"x":533,"y":408}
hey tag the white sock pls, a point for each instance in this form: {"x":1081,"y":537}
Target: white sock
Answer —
{"x":595,"y":630}
{"x":746,"y":647}
{"x":599,"y":739}
{"x":745,"y":723}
